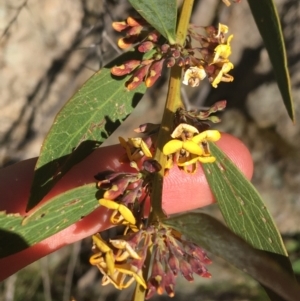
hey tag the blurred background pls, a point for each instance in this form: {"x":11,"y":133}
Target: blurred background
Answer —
{"x":49,"y":48}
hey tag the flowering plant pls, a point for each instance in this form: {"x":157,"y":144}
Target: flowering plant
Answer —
{"x":153,"y":247}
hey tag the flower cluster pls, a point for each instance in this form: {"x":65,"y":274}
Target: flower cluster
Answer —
{"x":213,"y":61}
{"x":172,"y":255}
{"x":210,"y":60}
{"x":148,"y":70}
{"x":191,"y":136}
{"x":125,"y":191}
{"x":189,"y":147}
{"x":121,"y":260}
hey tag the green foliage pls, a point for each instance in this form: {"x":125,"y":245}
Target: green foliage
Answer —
{"x":87,"y":119}
{"x":266,"y":267}
{"x":100,"y":106}
{"x":18,"y":233}
{"x":267,"y":20}
{"x":161,"y":14}
{"x":241,"y":205}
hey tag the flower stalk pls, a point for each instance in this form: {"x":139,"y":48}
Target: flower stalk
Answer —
{"x":173,"y":102}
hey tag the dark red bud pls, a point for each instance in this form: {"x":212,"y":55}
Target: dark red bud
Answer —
{"x":151,"y":166}
{"x":180,"y":62}
{"x":165,"y":48}
{"x":145,"y":46}
{"x":126,"y":68}
{"x":151,"y":290}
{"x":211,"y":30}
{"x":170,"y":283}
{"x":153,"y":36}
{"x":154,"y":72}
{"x":137,"y":77}
{"x":173,"y":264}
{"x":176,"y":53}
{"x":134,"y":31}
{"x":186,"y":270}
{"x":170,"y":62}
{"x":187,"y":60}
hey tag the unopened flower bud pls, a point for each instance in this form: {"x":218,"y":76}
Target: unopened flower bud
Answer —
{"x":153,"y":36}
{"x":154,"y":72}
{"x":134,"y":31}
{"x":176,"y":53}
{"x":135,"y":21}
{"x":170,"y":283}
{"x":180,"y":62}
{"x":126,"y":42}
{"x":145,"y":46}
{"x":151,"y":165}
{"x":170,"y":62}
{"x":158,"y":277}
{"x":186,"y":270}
{"x":137,"y":77}
{"x":125,"y":68}
{"x":173,"y":263}
{"x":119,"y":26}
{"x":164,"y":48}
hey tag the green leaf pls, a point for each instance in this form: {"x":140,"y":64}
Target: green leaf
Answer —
{"x":18,"y":233}
{"x":265,"y":267}
{"x":86,"y":120}
{"x":267,"y":20}
{"x":161,"y":14}
{"x":241,"y":205}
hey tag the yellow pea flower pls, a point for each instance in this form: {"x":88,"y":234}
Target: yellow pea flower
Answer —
{"x":175,"y":145}
{"x":104,"y":248}
{"x":135,"y":148}
{"x":118,"y":208}
{"x":222,"y":51}
{"x":210,"y":135}
{"x":222,"y":75}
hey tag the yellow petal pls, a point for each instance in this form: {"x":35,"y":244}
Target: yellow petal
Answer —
{"x":189,"y":162}
{"x":127,"y":214}
{"x":192,"y":147}
{"x":210,"y":159}
{"x":110,"y":261}
{"x":131,"y":270}
{"x":172,"y":146}
{"x":109,"y":204}
{"x":146,"y":149}
{"x":118,"y":243}
{"x":100,"y":243}
{"x":210,"y":135}
{"x":123,"y":244}
{"x":122,"y":256}
{"x":227,"y":67}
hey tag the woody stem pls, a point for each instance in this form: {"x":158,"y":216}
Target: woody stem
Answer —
{"x":173,"y":102}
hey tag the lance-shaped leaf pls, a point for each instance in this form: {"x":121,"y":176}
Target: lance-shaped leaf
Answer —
{"x":267,"y":21}
{"x":18,"y":233}
{"x":241,"y":205}
{"x":267,"y":268}
{"x":86,"y":120}
{"x":161,"y":14}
